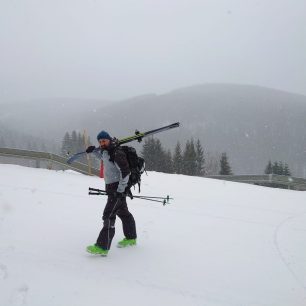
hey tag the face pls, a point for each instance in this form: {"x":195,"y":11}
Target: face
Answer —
{"x":104,"y":143}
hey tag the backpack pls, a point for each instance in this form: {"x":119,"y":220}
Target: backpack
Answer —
{"x":136,"y":164}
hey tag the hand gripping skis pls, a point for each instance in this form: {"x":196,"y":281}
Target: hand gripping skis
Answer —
{"x":138,"y":136}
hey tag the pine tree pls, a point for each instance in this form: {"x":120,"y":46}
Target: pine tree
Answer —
{"x":159,"y":156}
{"x":193,"y":157}
{"x":66,"y":145}
{"x":154,"y":155}
{"x":212,"y":164}
{"x":74,"y":142}
{"x":275,"y":168}
{"x":278,"y":168}
{"x":281,"y":168}
{"x":200,"y":160}
{"x":225,"y":168}
{"x":185,"y":168}
{"x":168,"y":162}
{"x":287,"y":172}
{"x":189,"y":159}
{"x":148,"y":152}
{"x":80,"y":143}
{"x":178,"y":159}
{"x":269,"y":168}
{"x":81,"y":147}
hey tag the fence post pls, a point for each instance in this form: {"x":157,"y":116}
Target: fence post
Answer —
{"x":37,"y":164}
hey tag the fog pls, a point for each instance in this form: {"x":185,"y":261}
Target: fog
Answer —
{"x":100,"y":49}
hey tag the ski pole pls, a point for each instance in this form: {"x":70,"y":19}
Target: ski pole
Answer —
{"x":144,"y":196}
{"x":167,"y":198}
{"x":152,"y":200}
{"x":100,"y":191}
{"x":164,"y":200}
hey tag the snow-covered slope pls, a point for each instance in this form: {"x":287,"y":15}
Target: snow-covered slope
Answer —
{"x":218,"y":243}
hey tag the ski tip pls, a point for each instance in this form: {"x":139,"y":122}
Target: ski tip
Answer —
{"x":70,"y":160}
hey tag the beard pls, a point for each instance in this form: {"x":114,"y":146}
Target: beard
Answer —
{"x":104,"y":147}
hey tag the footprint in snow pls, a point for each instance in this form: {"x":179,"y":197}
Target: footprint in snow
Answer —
{"x":3,"y":271}
{"x":6,"y":207}
{"x":19,"y":296}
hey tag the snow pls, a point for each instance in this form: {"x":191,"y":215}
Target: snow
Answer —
{"x":218,"y":243}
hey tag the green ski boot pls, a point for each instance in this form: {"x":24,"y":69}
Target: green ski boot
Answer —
{"x":94,"y":249}
{"x":126,"y":242}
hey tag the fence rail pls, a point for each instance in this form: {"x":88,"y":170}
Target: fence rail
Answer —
{"x":269,"y":180}
{"x":49,"y":157}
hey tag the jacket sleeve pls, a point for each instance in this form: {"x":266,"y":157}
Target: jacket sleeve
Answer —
{"x":122,"y":164}
{"x":97,"y":154}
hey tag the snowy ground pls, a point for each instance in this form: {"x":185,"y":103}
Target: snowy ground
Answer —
{"x":219,"y":243}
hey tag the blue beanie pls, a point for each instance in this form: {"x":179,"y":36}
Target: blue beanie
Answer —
{"x":103,"y":135}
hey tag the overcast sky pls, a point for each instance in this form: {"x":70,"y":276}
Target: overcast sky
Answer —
{"x":116,"y":49}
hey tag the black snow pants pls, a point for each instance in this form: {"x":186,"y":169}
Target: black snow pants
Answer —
{"x":115,"y":206}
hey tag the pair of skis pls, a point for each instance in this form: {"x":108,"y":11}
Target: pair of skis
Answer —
{"x":138,"y":136}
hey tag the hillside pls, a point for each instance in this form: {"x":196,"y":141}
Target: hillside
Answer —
{"x":218,"y":243}
{"x":252,"y":124}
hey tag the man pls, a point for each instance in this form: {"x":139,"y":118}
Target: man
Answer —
{"x":116,"y":176}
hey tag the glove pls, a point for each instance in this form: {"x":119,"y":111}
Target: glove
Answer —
{"x":90,"y":149}
{"x":128,"y":192}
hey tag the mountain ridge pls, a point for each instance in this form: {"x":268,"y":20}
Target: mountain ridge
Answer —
{"x":251,"y":123}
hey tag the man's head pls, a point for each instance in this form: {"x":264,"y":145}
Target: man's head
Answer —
{"x":104,"y":139}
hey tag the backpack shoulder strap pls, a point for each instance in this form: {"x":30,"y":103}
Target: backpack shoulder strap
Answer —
{"x":113,"y":151}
